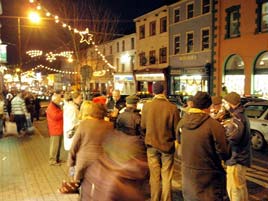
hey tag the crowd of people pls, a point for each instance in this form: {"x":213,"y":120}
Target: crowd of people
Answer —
{"x":116,"y":151}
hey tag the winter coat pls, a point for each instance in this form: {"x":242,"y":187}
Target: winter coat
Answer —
{"x":70,"y":121}
{"x":54,"y":119}
{"x":86,"y":146}
{"x":203,"y":146}
{"x":240,"y":141}
{"x":18,"y":106}
{"x":159,"y":120}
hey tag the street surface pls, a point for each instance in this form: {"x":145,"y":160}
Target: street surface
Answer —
{"x":26,"y":175}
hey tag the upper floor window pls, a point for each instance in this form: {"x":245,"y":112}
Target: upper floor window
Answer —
{"x":190,"y":11}
{"x":205,"y":6}
{"x":190,"y":42}
{"x":152,"y":28}
{"x":177,"y":44}
{"x":262,"y":16}
{"x":176,"y":15}
{"x":163,"y":24}
{"x":123,"y":45}
{"x":143,"y":59}
{"x":117,"y":46}
{"x":205,"y":39}
{"x":111,"y":49}
{"x":232,"y":22}
{"x":152,"y":58}
{"x":132,"y":43}
{"x":163,"y":55}
{"x":142,"y":31}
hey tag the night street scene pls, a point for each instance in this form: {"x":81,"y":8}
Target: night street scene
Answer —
{"x":142,"y":100}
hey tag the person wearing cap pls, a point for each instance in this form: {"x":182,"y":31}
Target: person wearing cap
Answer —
{"x":203,"y":147}
{"x":217,"y":111}
{"x":240,"y":143}
{"x":129,"y":121}
{"x":159,"y":120}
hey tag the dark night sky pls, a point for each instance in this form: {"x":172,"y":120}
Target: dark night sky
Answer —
{"x":44,"y":37}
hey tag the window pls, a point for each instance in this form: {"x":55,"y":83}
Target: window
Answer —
{"x":152,"y":58}
{"x":190,"y":42}
{"x":205,"y":39}
{"x":232,"y":22}
{"x":117,"y":64}
{"x":163,"y":55}
{"x":152,"y":28}
{"x":190,"y":11}
{"x":111,"y":49}
{"x":177,"y":44}
{"x":132,"y":43}
{"x":142,"y":31}
{"x":132,"y":61}
{"x":117,"y":46}
{"x":262,"y":16}
{"x":205,"y":6}
{"x":163,"y":24}
{"x":176,"y":15}
{"x":123,"y":68}
{"x":143,"y":59}
{"x":123,"y":45}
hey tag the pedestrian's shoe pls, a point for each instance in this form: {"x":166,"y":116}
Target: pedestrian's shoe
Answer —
{"x":69,"y":187}
{"x":54,"y":163}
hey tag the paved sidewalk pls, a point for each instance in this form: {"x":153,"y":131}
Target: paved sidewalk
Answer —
{"x":25,"y":173}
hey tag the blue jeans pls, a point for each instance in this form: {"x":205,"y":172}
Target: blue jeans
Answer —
{"x":161,"y":171}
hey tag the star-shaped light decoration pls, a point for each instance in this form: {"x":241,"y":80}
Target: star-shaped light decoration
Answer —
{"x":85,"y":36}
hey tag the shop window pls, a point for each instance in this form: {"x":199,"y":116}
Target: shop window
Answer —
{"x":205,"y":39}
{"x":205,"y":6}
{"x":163,"y":55}
{"x":190,"y":42}
{"x":152,"y":58}
{"x":177,"y":44}
{"x":117,"y":46}
{"x":142,"y":31}
{"x":111,"y":49}
{"x":123,"y":46}
{"x":132,"y":43}
{"x":176,"y":15}
{"x":262,"y":16}
{"x":143,"y":59}
{"x":163,"y":24}
{"x":152,"y":28}
{"x":235,"y":62}
{"x":190,"y":11}
{"x":232,"y":22}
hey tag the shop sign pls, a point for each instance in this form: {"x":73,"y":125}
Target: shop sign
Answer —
{"x":187,"y":57}
{"x":194,"y":71}
{"x":150,"y":77}
{"x":176,"y":71}
{"x":123,"y":77}
{"x":3,"y":53}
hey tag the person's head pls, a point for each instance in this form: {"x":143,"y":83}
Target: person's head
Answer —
{"x":85,"y":110}
{"x":216,"y":103}
{"x":77,"y":97}
{"x":116,"y":95}
{"x":202,"y":101}
{"x":56,"y":98}
{"x":131,"y":101}
{"x":97,"y":110}
{"x":158,"y":88}
{"x":190,"y":102}
{"x":233,"y":100}
{"x":67,"y":96}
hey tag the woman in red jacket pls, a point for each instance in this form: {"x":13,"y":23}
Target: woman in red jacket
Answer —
{"x":55,"y":128}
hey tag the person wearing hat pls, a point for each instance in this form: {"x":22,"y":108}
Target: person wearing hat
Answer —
{"x":240,"y":143}
{"x":203,"y":146}
{"x":217,"y":111}
{"x":159,"y":120}
{"x":129,"y":120}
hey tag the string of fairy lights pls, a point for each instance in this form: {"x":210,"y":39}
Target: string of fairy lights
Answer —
{"x":50,"y":56}
{"x":85,"y":35}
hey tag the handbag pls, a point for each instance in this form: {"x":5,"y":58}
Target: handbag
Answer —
{"x":11,"y":128}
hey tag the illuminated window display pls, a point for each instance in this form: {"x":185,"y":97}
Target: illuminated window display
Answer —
{"x":260,"y":87}
{"x":234,"y":78}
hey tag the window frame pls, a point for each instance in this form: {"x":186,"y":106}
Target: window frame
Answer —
{"x":142,"y":31}
{"x":204,"y":6}
{"x":189,"y":50}
{"x":162,"y":58}
{"x":163,"y":24}
{"x":187,"y":11}
{"x":177,"y":17}
{"x":202,"y":39}
{"x":230,"y":12}
{"x":177,"y":49}
{"x":152,"y":26}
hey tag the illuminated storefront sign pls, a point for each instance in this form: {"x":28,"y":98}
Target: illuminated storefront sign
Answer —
{"x":3,"y":53}
{"x":150,"y":77}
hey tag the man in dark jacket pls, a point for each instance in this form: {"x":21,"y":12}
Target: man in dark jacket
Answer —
{"x":159,"y":119}
{"x":239,"y":141}
{"x":203,"y":146}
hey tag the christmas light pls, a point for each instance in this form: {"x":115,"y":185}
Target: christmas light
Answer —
{"x":53,"y":69}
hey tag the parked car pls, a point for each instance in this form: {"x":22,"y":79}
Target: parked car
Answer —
{"x":247,"y":99}
{"x":257,"y":113}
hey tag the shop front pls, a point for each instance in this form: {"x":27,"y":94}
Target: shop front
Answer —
{"x":125,"y":83}
{"x":188,"y":80}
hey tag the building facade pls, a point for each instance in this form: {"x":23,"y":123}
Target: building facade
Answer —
{"x":241,"y":52}
{"x":190,"y":47}
{"x":152,"y":48}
